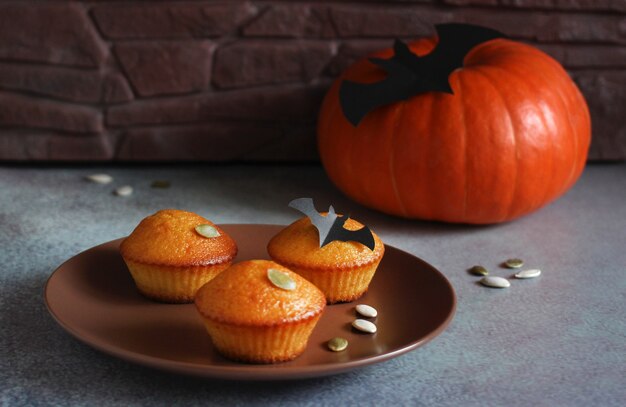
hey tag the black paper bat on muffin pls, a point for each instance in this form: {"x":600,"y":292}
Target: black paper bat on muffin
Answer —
{"x":409,"y":74}
{"x":330,"y":227}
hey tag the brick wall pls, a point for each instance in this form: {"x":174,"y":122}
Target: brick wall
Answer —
{"x":243,"y":80}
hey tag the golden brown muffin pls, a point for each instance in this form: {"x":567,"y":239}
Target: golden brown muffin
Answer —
{"x":252,"y":320}
{"x":342,"y":270}
{"x":169,"y":260}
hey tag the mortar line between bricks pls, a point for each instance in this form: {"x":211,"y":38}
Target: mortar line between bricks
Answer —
{"x":43,"y":131}
{"x":211,"y":121}
{"x":52,"y":64}
{"x":207,"y":123}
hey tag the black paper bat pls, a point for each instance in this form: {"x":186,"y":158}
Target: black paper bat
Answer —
{"x":330,"y":227}
{"x":409,"y":74}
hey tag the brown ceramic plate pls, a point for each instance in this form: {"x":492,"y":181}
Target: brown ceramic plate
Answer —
{"x":93,"y":297}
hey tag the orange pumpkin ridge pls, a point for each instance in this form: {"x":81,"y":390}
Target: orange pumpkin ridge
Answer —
{"x":502,"y":182}
{"x":556,"y":103}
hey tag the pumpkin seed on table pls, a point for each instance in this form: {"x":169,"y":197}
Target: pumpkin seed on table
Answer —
{"x":160,"y":184}
{"x":495,"y":282}
{"x":337,"y":344}
{"x":126,"y":190}
{"x":366,"y":310}
{"x":364,"y":326}
{"x":99,"y":178}
{"x":281,"y":279}
{"x":479,"y":271}
{"x":514,"y":263}
{"x":531,"y":273}
{"x":207,"y":231}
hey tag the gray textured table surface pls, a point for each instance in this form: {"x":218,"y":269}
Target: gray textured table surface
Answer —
{"x":556,"y":340}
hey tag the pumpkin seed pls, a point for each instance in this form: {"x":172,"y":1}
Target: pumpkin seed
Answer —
{"x":366,"y":310}
{"x":99,"y":178}
{"x":337,"y":344}
{"x":207,"y":230}
{"x":364,"y":326}
{"x":532,"y":273}
{"x":126,"y":190}
{"x":514,"y":263}
{"x":160,"y":184}
{"x":479,"y":271}
{"x":495,"y":282}
{"x":281,"y":279}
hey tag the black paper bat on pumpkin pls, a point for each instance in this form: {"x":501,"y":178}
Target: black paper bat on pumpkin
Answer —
{"x":409,"y":74}
{"x":330,"y":227}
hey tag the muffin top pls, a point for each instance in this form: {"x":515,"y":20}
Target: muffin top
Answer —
{"x":243,"y":294}
{"x":298,"y":245}
{"x":169,"y":238}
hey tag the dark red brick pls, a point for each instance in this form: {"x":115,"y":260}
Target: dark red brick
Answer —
{"x":262,"y":62}
{"x":159,"y":68}
{"x":170,"y":20}
{"x":548,"y":27}
{"x":573,"y":5}
{"x":49,"y":146}
{"x":92,"y":148}
{"x":211,"y":142}
{"x":52,"y":33}
{"x":508,"y":22}
{"x":63,"y":83}
{"x":386,"y":20}
{"x":183,"y":109}
{"x":586,"y":28}
{"x":605,"y":92}
{"x":21,"y":146}
{"x":73,"y":85}
{"x":279,"y":103}
{"x":24,"y":111}
{"x":592,"y":5}
{"x":587,"y":56}
{"x":298,"y":20}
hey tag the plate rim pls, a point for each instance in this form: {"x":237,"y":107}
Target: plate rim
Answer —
{"x":248,"y":372}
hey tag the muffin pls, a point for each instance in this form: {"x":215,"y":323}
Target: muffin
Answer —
{"x":169,"y":260}
{"x":342,"y":270}
{"x":251,"y":319}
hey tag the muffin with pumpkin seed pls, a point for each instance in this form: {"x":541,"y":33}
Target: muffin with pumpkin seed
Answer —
{"x":343,"y":270}
{"x":258,"y":311}
{"x":172,"y":253}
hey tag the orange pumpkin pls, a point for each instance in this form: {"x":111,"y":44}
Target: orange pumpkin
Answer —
{"x":513,"y":137}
